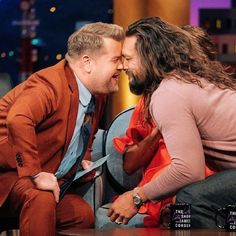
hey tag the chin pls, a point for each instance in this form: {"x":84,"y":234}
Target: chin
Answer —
{"x":108,"y":91}
{"x":114,"y":90}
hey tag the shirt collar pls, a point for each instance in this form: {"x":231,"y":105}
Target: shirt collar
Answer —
{"x":84,"y":94}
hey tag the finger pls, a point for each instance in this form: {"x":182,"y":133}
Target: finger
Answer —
{"x":54,"y":178}
{"x":114,"y":216}
{"x":119,"y":220}
{"x":109,"y":212}
{"x":56,"y":196}
{"x":85,"y":164}
{"x":125,"y":221}
{"x":56,"y":193}
{"x":156,"y":133}
{"x":58,"y":189}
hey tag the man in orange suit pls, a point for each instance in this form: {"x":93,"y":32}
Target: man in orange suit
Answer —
{"x":40,"y":131}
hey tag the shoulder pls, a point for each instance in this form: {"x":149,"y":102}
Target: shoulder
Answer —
{"x":52,"y":73}
{"x":171,"y":89}
{"x":55,"y":78}
{"x":175,"y":87}
{"x":172,"y":98}
{"x":50,"y":83}
{"x":59,"y":67}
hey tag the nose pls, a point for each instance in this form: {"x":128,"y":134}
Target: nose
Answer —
{"x":120,"y":66}
{"x":125,"y":64}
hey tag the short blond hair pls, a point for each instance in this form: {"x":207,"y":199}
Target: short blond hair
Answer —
{"x":90,"y":37}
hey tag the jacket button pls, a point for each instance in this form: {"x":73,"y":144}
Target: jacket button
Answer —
{"x":19,"y":160}
{"x":20,"y":164}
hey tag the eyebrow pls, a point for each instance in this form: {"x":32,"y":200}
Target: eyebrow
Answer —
{"x":116,"y":57}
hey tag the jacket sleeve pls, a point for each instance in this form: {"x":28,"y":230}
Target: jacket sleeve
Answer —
{"x":172,"y":109}
{"x":32,"y":106}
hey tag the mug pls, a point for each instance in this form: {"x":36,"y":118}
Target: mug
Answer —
{"x":180,"y":216}
{"x":229,"y":213}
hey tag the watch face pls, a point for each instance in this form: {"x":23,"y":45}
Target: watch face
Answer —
{"x":137,"y":200}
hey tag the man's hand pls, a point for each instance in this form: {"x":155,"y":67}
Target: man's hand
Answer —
{"x":123,"y":209}
{"x":47,"y":181}
{"x":85,"y":164}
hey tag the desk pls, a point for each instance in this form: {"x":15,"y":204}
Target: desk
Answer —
{"x":146,"y":232}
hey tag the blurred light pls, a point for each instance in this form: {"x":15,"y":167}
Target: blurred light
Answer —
{"x":207,"y":24}
{"x":235,"y":48}
{"x":11,"y":53}
{"x":3,"y":54}
{"x":58,"y":56}
{"x":110,"y":11}
{"x":218,"y":24}
{"x":53,"y":9}
{"x":37,"y":42}
{"x":34,"y":55}
{"x":32,"y":34}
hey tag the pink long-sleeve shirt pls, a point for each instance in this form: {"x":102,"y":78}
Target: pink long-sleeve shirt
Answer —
{"x":198,"y":126}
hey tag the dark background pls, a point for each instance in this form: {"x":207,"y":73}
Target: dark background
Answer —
{"x":51,"y":33}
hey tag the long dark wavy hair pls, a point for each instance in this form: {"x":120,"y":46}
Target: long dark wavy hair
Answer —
{"x":203,"y":39}
{"x":166,"y":49}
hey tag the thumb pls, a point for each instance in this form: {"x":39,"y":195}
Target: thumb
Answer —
{"x":85,"y":164}
{"x":56,"y":193}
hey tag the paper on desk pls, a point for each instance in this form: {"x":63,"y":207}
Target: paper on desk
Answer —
{"x":93,"y":166}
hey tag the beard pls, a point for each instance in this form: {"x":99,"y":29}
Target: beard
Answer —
{"x":136,"y":83}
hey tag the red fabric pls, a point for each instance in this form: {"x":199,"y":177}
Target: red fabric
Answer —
{"x":138,"y":130}
{"x":160,"y":160}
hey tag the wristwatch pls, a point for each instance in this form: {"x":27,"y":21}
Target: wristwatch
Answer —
{"x":138,"y":202}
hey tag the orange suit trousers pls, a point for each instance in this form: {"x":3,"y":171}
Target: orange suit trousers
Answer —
{"x":40,"y":215}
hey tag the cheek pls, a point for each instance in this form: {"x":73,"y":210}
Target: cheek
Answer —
{"x":132,"y":65}
{"x":111,"y":70}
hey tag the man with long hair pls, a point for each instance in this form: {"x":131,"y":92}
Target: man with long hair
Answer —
{"x":192,"y":100}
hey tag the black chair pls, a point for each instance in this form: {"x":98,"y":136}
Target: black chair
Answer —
{"x":5,"y":84}
{"x":8,"y":225}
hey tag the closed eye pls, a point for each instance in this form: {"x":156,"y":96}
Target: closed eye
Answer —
{"x":126,"y":58}
{"x":116,"y":59}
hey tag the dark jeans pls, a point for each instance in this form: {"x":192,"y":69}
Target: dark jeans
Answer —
{"x":207,"y":196}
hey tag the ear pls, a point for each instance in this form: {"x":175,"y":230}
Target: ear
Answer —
{"x":86,"y":60}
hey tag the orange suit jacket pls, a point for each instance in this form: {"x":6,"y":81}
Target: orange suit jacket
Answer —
{"x":37,"y":120}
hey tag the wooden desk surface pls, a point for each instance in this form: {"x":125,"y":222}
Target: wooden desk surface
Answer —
{"x":147,"y":232}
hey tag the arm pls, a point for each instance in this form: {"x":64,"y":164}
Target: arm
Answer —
{"x":30,"y":108}
{"x":139,"y":155}
{"x":140,"y":142}
{"x":172,"y":109}
{"x":178,"y":127}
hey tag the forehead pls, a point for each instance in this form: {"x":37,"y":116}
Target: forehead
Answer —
{"x":111,"y":46}
{"x":129,"y":46}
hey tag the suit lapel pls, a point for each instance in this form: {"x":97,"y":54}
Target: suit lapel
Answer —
{"x":73,"y":111}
